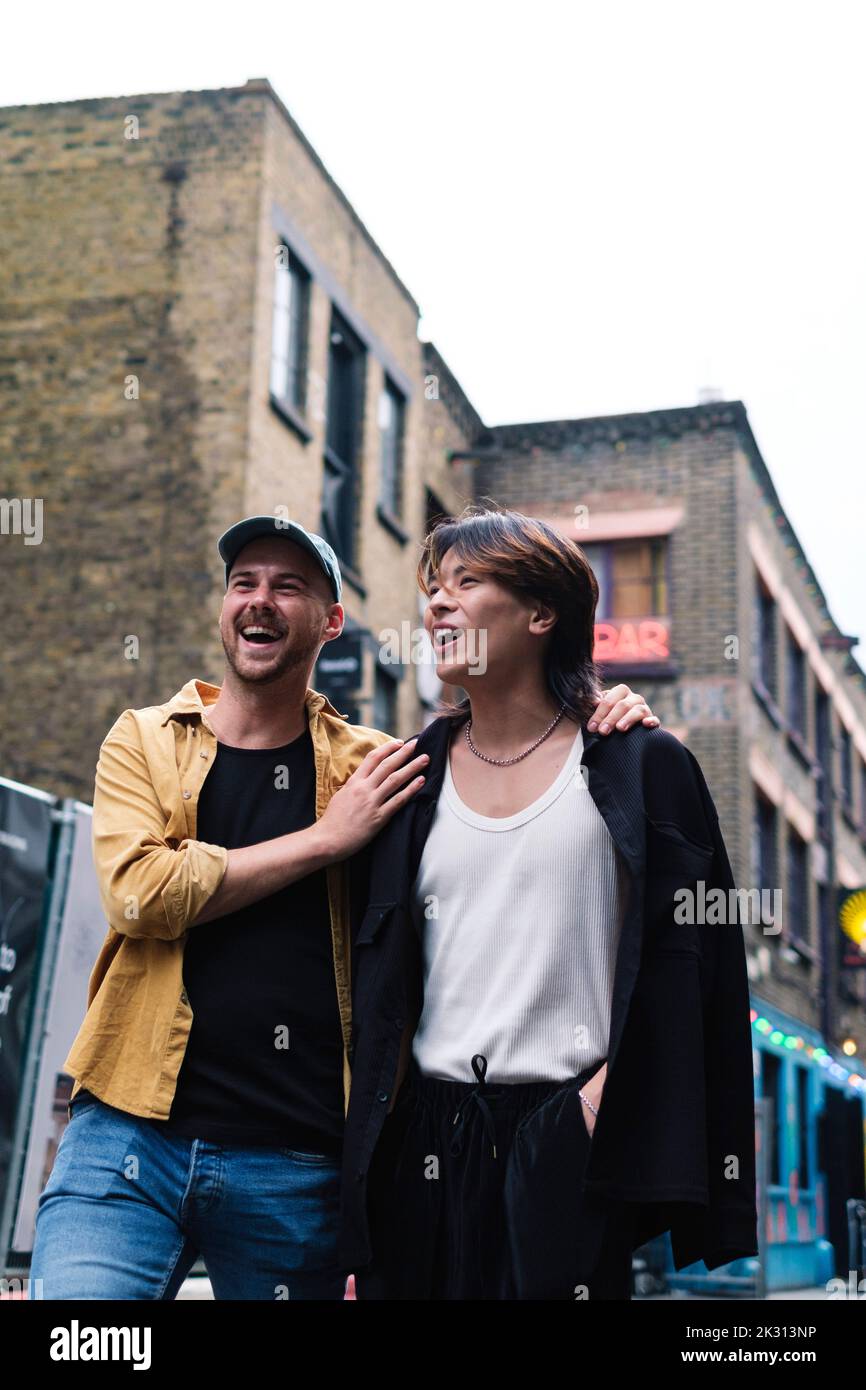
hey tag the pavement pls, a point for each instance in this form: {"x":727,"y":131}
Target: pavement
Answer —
{"x":817,"y":1294}
{"x":199,"y":1287}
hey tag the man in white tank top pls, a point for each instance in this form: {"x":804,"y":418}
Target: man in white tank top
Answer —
{"x":518,"y":903}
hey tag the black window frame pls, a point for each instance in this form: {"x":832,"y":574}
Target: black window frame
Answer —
{"x":392,"y":453}
{"x":795,"y":684}
{"x":765,"y":830}
{"x":846,"y":768}
{"x":823,"y":758}
{"x":797,"y":915}
{"x":385,"y":683}
{"x":291,"y":390}
{"x":772,"y":1082}
{"x":765,"y":672}
{"x":603,"y":553}
{"x":342,"y":476}
{"x":801,"y":1087}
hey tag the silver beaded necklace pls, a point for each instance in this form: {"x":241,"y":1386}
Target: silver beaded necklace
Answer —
{"x":506,"y":762}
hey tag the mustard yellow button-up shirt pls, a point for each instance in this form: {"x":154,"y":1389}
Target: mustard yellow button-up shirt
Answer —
{"x":154,"y":879}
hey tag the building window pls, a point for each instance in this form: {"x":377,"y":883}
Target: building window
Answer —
{"x":632,"y":628}
{"x":345,"y":416}
{"x":385,"y":701}
{"x":290,"y":330}
{"x":765,"y":638}
{"x":632,"y":578}
{"x":846,"y":769}
{"x":797,"y":897}
{"x":824,"y":759}
{"x":771,"y":1089}
{"x":392,"y":412}
{"x":434,"y":510}
{"x":795,"y":684}
{"x":804,"y":1176}
{"x":764,"y":857}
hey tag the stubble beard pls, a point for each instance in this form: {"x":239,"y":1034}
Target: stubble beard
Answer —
{"x":294,"y":656}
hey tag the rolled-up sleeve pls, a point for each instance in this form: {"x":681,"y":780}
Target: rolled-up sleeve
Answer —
{"x":148,"y":886}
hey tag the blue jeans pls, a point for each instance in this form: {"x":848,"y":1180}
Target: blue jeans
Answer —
{"x":128,"y":1207}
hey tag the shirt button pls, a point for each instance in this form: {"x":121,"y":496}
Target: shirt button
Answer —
{"x":382,"y":1096}
{"x":202,"y":755}
{"x":399,"y":1023}
{"x":187,"y":795}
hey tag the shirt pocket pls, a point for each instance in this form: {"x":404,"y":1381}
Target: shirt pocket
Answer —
{"x":677,"y":864}
{"x":673,"y":844}
{"x":367,"y":955}
{"x":372,"y":922}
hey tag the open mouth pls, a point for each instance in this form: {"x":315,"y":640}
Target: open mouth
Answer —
{"x":258,"y":636}
{"x":445,"y":637}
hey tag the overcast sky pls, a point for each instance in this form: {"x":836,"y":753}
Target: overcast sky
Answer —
{"x":599,"y":207}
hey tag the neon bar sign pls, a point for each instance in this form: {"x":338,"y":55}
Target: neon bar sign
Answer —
{"x":645,"y":640}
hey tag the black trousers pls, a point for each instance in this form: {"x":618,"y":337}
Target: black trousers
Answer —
{"x":475,"y":1192}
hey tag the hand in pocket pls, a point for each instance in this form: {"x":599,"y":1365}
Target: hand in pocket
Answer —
{"x":592,"y":1089}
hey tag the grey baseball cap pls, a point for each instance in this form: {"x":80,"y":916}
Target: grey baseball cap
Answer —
{"x":232,"y":542}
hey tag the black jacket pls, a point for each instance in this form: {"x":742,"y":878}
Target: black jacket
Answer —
{"x":675,"y":1128}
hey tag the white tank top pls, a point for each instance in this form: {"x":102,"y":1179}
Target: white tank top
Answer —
{"x":520,"y":918}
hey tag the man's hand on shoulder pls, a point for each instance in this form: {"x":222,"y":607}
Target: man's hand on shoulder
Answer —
{"x":386,"y":780}
{"x":621,"y":708}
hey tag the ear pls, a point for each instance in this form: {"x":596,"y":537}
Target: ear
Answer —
{"x":543,"y":618}
{"x":336,"y":618}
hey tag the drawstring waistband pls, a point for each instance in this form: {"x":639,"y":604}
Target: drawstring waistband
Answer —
{"x":448,"y":1101}
{"x":476,"y":1095}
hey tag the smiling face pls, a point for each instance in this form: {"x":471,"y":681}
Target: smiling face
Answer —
{"x":478,"y":626}
{"x":277,"y":611}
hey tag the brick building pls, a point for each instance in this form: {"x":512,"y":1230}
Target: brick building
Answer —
{"x":196,"y":326}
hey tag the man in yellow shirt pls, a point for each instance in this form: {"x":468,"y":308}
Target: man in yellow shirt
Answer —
{"x":211,"y":1070}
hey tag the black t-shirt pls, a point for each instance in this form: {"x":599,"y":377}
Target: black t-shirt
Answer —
{"x":264,"y":1059}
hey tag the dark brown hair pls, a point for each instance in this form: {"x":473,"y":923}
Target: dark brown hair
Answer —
{"x":531,"y":558}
